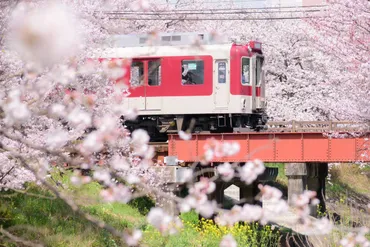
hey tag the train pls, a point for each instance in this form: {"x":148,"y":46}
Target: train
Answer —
{"x":182,"y":81}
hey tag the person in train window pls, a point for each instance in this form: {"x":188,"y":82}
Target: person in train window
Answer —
{"x":186,"y":77}
{"x":245,"y":75}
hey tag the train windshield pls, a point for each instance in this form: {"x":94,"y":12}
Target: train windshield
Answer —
{"x":259,"y":63}
{"x":245,"y":71}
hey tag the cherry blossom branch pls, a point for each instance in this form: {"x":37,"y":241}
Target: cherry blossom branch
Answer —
{"x":6,"y":174}
{"x":69,"y":202}
{"x":17,"y":239}
{"x":39,"y":148}
{"x":26,"y":193}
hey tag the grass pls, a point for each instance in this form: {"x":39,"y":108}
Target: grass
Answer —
{"x":51,"y":222}
{"x":207,"y":234}
{"x":38,"y":217}
{"x":346,"y":177}
{"x":348,"y":193}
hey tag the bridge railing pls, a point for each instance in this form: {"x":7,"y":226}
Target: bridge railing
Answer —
{"x":317,"y":126}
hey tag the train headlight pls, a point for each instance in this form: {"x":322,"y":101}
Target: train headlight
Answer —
{"x":255,"y":46}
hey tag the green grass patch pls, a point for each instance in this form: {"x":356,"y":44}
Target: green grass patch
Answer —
{"x":208,"y":234}
{"x":38,"y":216}
{"x":51,"y":222}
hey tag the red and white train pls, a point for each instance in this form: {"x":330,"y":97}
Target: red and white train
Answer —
{"x":218,"y":84}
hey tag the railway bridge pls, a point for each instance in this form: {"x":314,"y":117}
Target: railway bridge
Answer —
{"x":305,"y":147}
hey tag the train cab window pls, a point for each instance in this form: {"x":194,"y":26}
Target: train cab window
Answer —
{"x":245,"y":71}
{"x":192,"y":72}
{"x":259,"y":63}
{"x":137,"y":74}
{"x":154,"y":73}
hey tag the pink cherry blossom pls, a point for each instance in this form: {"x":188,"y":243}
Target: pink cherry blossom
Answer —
{"x":93,"y":142}
{"x":226,"y":171}
{"x":57,"y":139}
{"x":57,"y":110}
{"x":133,"y":238}
{"x":116,"y":193}
{"x":79,"y":118}
{"x":164,"y":223}
{"x":228,"y":241}
{"x":185,"y":136}
{"x":251,"y":170}
{"x":119,"y":164}
{"x":15,"y":110}
{"x":270,"y":193}
{"x":51,"y":27}
{"x":203,"y":186}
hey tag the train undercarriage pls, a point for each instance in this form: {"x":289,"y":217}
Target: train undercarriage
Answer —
{"x":159,"y":126}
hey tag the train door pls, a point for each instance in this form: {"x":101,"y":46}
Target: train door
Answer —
{"x":153,"y":100}
{"x":221,"y":84}
{"x":137,"y":84}
{"x":253,"y":80}
{"x":259,"y":82}
{"x":145,"y":79}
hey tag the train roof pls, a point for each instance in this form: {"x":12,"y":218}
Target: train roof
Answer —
{"x":167,"y":44}
{"x":166,"y":39}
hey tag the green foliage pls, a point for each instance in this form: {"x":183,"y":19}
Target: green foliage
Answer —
{"x":6,"y":215}
{"x":38,"y":216}
{"x":142,"y":204}
{"x":208,"y":234}
{"x":51,"y":222}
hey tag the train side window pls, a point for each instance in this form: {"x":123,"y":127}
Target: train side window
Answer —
{"x":192,"y":72}
{"x":154,"y":73}
{"x":137,"y":74}
{"x":259,"y":64}
{"x":245,"y":71}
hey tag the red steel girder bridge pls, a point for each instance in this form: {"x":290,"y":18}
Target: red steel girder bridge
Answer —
{"x":324,"y":142}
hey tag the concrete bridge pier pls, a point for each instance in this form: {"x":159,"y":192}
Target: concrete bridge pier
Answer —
{"x":168,"y":205}
{"x":241,"y":192}
{"x":307,"y":176}
{"x":316,"y":175}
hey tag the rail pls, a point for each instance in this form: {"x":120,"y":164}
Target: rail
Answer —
{"x":317,"y":126}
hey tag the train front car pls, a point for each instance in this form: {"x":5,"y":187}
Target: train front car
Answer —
{"x":247,"y":86}
{"x":219,"y":85}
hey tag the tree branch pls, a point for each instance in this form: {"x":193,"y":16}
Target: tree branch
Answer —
{"x":17,"y":239}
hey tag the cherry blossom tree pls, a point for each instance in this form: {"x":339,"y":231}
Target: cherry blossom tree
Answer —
{"x":344,"y":33}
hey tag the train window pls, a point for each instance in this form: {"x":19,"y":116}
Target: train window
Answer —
{"x":221,"y":72}
{"x":137,"y":74}
{"x":192,"y":72}
{"x":154,"y":73}
{"x":245,"y":71}
{"x":259,"y":64}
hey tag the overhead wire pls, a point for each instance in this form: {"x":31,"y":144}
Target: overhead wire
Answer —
{"x":233,"y":14}
{"x":247,"y":8}
{"x":215,"y":19}
{"x":197,"y":12}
